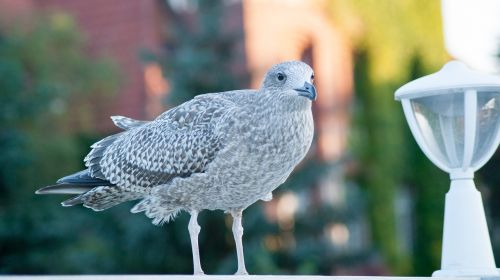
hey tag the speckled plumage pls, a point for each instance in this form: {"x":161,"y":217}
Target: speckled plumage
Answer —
{"x":217,"y":151}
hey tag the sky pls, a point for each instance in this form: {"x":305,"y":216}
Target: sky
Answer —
{"x":472,"y":32}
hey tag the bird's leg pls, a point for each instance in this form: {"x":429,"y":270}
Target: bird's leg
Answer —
{"x":194,"y":230}
{"x":238,"y":233}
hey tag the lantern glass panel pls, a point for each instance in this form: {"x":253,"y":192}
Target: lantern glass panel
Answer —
{"x":487,"y":124}
{"x":440,"y":119}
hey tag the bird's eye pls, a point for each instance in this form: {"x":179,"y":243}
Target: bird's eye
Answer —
{"x":281,"y":77}
{"x":312,"y":78}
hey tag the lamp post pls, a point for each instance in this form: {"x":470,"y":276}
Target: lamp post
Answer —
{"x":454,"y":115}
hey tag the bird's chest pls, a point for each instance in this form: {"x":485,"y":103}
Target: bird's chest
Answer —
{"x":259,"y":160}
{"x":272,"y":146}
{"x":280,"y":140}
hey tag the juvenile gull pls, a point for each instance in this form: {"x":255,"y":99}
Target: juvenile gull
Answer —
{"x":221,"y":151}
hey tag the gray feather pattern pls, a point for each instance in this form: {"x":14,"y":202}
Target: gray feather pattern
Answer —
{"x":92,"y":160}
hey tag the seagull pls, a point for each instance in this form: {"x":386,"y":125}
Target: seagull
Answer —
{"x":217,"y":151}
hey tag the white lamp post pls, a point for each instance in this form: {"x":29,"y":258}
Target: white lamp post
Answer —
{"x":454,"y":115}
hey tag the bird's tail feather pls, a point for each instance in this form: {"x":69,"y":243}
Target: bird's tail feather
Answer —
{"x":83,"y":178}
{"x":102,"y":198}
{"x":64,"y":189}
{"x":94,"y":193}
{"x":76,"y":183}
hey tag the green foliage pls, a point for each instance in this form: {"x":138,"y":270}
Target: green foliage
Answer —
{"x":392,"y":32}
{"x":200,"y":57}
{"x":43,"y":77}
{"x":378,"y":118}
{"x":391,"y":38}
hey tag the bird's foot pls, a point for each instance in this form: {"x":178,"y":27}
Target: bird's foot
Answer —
{"x":199,"y":272}
{"x":241,"y":272}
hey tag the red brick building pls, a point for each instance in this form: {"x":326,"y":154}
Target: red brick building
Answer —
{"x":119,"y":29}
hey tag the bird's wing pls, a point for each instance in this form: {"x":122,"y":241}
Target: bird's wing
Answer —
{"x":182,"y":141}
{"x":96,"y":154}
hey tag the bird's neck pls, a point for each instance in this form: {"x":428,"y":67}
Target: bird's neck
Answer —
{"x":297,"y":105}
{"x":283,"y":104}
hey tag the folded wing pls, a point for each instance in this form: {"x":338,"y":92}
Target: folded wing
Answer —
{"x":179,"y":143}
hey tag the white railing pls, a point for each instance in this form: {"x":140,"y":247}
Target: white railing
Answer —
{"x":229,"y":277}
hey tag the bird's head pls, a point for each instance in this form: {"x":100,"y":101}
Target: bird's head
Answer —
{"x":290,"y":79}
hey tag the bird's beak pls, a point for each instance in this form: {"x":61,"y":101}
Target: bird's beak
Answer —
{"x":307,"y":90}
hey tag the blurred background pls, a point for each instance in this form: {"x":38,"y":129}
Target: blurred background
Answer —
{"x":365,"y":201}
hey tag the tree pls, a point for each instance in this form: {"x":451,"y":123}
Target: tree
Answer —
{"x":44,"y":77}
{"x":200,"y":54}
{"x":395,"y":42}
